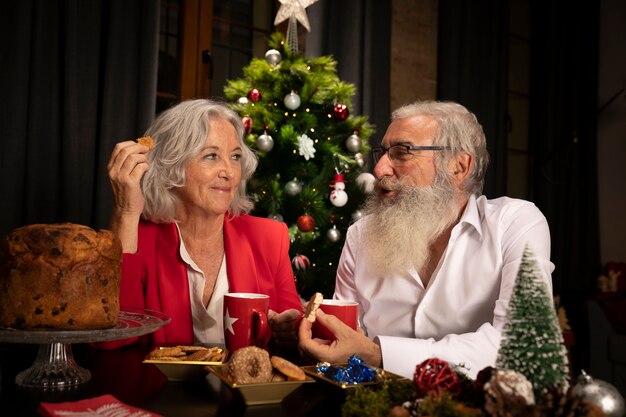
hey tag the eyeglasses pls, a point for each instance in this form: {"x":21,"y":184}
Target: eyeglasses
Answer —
{"x":399,"y":154}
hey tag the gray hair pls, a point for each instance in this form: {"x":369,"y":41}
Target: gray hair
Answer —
{"x":457,"y":128}
{"x":179,"y":133}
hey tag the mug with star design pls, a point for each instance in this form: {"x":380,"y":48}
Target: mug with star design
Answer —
{"x":245,"y":320}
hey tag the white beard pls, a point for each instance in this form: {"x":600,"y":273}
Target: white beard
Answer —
{"x":399,"y":230}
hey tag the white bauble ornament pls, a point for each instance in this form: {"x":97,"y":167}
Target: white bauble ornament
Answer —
{"x":357,"y":215}
{"x":273,"y":57}
{"x":353,"y":143}
{"x":359,"y":159}
{"x":600,"y":393}
{"x":366,"y":181}
{"x":338,"y":197}
{"x":242,"y":100}
{"x":292,"y":101}
{"x":293,"y":187}
{"x":264,"y":142}
{"x":333,"y":234}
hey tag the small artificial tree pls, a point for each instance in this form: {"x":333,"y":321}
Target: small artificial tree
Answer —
{"x":297,"y":115}
{"x":532,"y":342}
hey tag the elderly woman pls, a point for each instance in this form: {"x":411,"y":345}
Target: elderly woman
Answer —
{"x":180,"y":213}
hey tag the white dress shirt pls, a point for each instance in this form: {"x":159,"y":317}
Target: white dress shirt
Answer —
{"x":208,"y":324}
{"x":459,"y":315}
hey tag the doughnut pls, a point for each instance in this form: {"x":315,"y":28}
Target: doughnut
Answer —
{"x":249,"y":365}
{"x":146,"y":141}
{"x":288,"y":369}
{"x":312,"y":306}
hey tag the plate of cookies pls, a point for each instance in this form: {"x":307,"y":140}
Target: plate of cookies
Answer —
{"x":185,"y":362}
{"x":259,"y":378}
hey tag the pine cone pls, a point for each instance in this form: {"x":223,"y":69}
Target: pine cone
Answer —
{"x":509,"y":394}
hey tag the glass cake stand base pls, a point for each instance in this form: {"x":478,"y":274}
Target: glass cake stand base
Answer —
{"x":54,"y":368}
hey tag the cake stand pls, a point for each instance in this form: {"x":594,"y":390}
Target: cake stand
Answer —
{"x":55,"y":367}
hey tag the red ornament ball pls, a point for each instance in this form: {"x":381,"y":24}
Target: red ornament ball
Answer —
{"x":341,"y":112}
{"x":300,"y":262}
{"x":254,"y":95}
{"x":247,"y":123}
{"x":305,"y":223}
{"x":434,"y":375}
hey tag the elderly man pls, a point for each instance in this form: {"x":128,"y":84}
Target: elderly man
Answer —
{"x":433,"y":263}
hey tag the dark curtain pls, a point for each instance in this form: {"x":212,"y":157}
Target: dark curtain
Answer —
{"x":76,"y":76}
{"x":563,"y":114}
{"x":563,"y":101}
{"x":471,"y":70}
{"x":357,"y":33}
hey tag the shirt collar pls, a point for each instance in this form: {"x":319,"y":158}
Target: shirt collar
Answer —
{"x":471,"y":216}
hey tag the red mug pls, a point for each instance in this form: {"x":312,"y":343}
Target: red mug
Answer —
{"x":346,"y":311}
{"x":245,"y":320}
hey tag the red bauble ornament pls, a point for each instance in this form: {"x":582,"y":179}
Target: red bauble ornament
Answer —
{"x":306,"y":223}
{"x":434,"y":375}
{"x":254,"y":95}
{"x":341,"y":112}
{"x":247,"y":123}
{"x":300,"y":262}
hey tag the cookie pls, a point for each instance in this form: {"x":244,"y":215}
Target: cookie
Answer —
{"x":146,"y":141}
{"x":290,"y":370}
{"x":312,"y":306}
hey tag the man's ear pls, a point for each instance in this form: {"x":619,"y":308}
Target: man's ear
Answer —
{"x":461,"y":165}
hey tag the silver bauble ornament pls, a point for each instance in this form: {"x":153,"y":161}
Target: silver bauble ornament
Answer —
{"x":353,"y":143}
{"x":359,"y":159}
{"x":293,"y":187}
{"x":600,"y":393}
{"x":275,"y":216}
{"x":273,"y":57}
{"x":264,"y":142}
{"x":357,"y":215}
{"x":333,"y":234}
{"x":292,"y":101}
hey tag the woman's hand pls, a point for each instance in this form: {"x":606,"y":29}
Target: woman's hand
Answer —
{"x":128,"y":163}
{"x":285,"y":327}
{"x":348,"y":342}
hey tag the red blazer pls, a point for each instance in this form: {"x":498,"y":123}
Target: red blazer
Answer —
{"x":257,"y":261}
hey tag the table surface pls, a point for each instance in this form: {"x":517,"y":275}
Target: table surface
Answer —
{"x":121,"y":373}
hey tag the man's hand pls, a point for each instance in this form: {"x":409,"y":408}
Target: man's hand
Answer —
{"x":285,"y":327}
{"x":348,"y":342}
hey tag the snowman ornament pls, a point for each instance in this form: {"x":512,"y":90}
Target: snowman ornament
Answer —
{"x":338,"y":196}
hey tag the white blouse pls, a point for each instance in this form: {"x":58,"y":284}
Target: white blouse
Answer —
{"x":208,"y":323}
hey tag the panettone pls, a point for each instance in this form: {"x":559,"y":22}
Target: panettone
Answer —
{"x":59,"y":276}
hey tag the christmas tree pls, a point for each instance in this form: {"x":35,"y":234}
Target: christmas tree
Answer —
{"x":297,"y":116}
{"x":532,"y":342}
